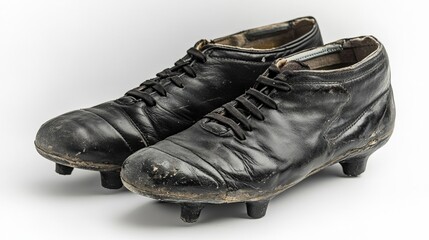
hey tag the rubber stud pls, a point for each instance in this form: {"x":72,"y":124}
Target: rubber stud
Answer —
{"x":191,"y":212}
{"x":257,"y":209}
{"x":355,"y":166}
{"x":63,"y":169}
{"x":111,"y":180}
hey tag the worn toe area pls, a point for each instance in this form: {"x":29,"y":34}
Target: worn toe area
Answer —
{"x":179,"y":176}
{"x":82,"y":136}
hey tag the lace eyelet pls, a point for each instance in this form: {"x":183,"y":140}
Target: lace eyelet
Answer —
{"x":171,"y":74}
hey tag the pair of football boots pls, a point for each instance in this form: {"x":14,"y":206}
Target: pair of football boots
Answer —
{"x":240,"y":118}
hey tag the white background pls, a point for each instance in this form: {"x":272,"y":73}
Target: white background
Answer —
{"x":56,"y":56}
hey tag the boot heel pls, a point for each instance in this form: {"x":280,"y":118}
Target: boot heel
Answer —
{"x":354,"y":166}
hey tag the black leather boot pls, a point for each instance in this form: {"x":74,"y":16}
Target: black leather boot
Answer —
{"x":328,"y":105}
{"x":212,"y":73}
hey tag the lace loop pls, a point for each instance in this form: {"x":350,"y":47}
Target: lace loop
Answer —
{"x":172,"y":74}
{"x":233,"y":109}
{"x":197,"y":54}
{"x":251,"y":108}
{"x":142,"y":95}
{"x":262,"y":98}
{"x":278,"y":82}
{"x":240,"y":117}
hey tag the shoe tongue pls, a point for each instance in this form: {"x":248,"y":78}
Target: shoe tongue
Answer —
{"x":292,"y":65}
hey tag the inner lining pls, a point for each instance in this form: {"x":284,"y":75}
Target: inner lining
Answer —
{"x":270,"y":36}
{"x":353,"y":51}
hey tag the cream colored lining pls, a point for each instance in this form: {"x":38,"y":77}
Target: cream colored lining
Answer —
{"x":270,"y":36}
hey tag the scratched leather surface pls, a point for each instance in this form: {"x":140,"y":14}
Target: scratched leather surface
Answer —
{"x":324,"y":116}
{"x":111,"y":131}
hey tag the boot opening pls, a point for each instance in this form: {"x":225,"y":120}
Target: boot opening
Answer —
{"x":353,"y":51}
{"x":343,"y":53}
{"x":270,"y":36}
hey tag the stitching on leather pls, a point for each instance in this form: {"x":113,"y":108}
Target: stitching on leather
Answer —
{"x":363,"y":46}
{"x":364,"y":75}
{"x":312,"y":83}
{"x":241,"y":61}
{"x":375,"y":59}
{"x":223,"y":178}
{"x":190,"y":164}
{"x":125,"y":114}
{"x":128,"y":145}
{"x":360,"y":115}
{"x":359,"y":77}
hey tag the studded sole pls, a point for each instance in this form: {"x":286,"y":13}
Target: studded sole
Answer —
{"x":110,"y":174}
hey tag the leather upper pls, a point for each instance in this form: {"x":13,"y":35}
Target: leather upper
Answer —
{"x":109,"y":132}
{"x":328,"y":113}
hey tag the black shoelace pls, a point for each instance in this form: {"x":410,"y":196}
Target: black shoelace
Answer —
{"x":181,"y":66}
{"x":251,"y":102}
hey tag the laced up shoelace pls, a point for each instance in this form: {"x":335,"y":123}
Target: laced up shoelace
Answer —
{"x":172,"y":74}
{"x":248,"y":103}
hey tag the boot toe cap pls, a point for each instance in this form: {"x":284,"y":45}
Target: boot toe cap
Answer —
{"x":81,"y":136}
{"x":157,"y":173}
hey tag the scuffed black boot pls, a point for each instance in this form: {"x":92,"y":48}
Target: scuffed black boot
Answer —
{"x":328,"y":105}
{"x":212,"y":73}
